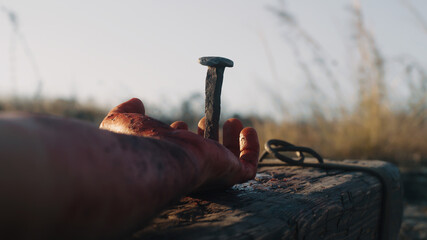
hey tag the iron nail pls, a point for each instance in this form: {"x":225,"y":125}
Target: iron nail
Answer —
{"x":214,"y":78}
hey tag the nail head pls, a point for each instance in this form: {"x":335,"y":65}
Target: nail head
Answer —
{"x":216,"y":62}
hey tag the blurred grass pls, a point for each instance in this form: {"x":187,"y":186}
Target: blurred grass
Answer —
{"x":372,"y":131}
{"x":398,"y":137}
{"x":87,"y":111}
{"x":375,"y":127}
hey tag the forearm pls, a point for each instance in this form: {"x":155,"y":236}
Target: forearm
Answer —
{"x":72,"y":178}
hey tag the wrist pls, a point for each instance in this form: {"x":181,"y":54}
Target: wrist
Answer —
{"x":196,"y":149}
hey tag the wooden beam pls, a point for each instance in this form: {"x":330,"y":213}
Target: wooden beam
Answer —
{"x":283,"y":202}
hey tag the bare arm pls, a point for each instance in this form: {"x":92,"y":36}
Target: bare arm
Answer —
{"x":64,"y":177}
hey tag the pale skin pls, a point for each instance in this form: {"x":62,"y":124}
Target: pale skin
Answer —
{"x":63,"y":177}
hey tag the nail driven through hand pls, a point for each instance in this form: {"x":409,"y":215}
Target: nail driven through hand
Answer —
{"x":214,"y":78}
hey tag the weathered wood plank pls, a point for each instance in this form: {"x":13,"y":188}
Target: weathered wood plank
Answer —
{"x":283,"y":202}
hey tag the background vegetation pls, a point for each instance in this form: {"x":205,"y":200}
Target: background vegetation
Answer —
{"x":378,"y":125}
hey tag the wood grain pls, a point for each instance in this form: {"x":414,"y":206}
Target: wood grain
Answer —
{"x":283,"y":202}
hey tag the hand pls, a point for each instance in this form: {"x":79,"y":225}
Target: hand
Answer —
{"x":220,"y":165}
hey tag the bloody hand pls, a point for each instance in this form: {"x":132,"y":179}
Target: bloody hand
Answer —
{"x":221,"y":165}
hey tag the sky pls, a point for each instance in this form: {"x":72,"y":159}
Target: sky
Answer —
{"x":110,"y":51}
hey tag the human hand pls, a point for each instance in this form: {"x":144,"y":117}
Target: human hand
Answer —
{"x":220,"y":165}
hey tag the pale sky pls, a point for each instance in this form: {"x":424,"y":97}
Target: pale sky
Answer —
{"x":111,"y":51}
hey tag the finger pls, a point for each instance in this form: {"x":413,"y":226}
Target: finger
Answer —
{"x":133,"y":105}
{"x":231,"y":132}
{"x":201,"y":126}
{"x":249,"y":152}
{"x":179,"y":125}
